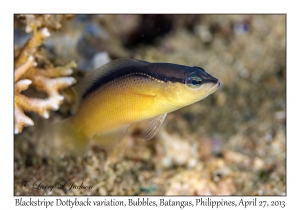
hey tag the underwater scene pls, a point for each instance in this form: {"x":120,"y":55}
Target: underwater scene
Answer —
{"x":155,"y":104}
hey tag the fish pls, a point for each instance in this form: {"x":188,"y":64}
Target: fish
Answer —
{"x":127,"y":91}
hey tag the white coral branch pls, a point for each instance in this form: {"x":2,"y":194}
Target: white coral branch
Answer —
{"x":50,"y":80}
{"x":21,"y":120}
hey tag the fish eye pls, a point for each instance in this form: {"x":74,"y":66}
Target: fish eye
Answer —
{"x":194,"y":80}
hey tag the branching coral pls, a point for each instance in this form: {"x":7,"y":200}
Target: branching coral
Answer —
{"x":49,"y":79}
{"x":48,"y":21}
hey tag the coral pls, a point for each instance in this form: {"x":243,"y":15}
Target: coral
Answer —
{"x":49,"y":79}
{"x":48,"y":21}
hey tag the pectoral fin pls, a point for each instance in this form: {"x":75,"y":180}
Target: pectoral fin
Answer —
{"x":111,"y":138}
{"x":153,"y":126}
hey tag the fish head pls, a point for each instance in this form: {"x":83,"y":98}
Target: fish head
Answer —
{"x":195,"y":85}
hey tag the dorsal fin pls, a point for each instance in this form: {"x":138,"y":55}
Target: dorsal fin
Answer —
{"x":113,"y":66}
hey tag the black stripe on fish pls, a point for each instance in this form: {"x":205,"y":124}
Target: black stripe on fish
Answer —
{"x":165,"y":72}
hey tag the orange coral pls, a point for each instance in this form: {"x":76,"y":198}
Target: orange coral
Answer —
{"x":50,"y":80}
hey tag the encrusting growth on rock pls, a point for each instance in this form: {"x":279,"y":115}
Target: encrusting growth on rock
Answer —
{"x":49,"y":79}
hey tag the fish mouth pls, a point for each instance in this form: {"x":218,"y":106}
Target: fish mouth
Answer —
{"x":215,"y":87}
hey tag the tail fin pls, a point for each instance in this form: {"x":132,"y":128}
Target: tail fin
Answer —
{"x":62,"y":138}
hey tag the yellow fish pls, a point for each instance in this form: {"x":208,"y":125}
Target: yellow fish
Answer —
{"x":126,"y":91}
